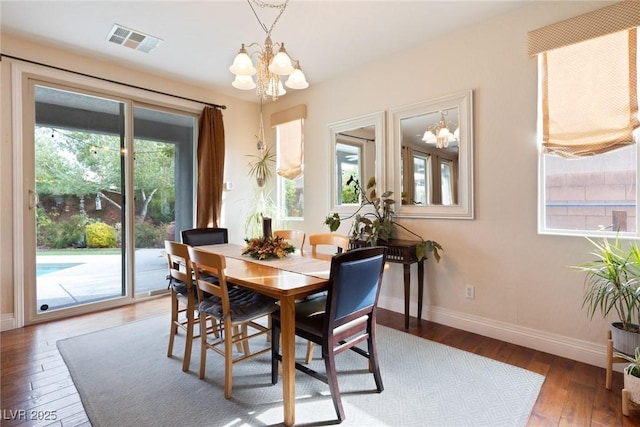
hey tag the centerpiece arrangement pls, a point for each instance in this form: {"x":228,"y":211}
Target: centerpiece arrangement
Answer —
{"x":376,"y":223}
{"x":267,"y":246}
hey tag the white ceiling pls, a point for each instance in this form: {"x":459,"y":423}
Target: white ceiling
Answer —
{"x":201,"y":38}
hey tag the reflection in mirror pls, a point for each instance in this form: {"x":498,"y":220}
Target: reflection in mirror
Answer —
{"x":431,"y":158}
{"x":356,"y":149}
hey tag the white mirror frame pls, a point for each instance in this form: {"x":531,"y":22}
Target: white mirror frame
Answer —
{"x":464,"y":209}
{"x":374,"y":119}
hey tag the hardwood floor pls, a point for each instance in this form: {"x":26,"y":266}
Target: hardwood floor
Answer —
{"x":35,"y":380}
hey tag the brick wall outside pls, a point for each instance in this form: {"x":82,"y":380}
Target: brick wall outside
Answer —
{"x":590,"y":200}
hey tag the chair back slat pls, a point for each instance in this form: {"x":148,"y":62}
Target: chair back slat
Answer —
{"x":339,"y":241}
{"x":205,"y":236}
{"x":178,"y":262}
{"x":206,"y":265}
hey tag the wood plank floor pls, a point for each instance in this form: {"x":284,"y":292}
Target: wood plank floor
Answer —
{"x":35,"y":380}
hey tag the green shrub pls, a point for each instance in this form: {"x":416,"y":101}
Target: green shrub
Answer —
{"x":149,"y":235}
{"x":63,"y":234}
{"x":101,"y":235}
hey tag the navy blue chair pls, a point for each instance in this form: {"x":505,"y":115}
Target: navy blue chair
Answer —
{"x":346,"y":318}
{"x":205,"y":236}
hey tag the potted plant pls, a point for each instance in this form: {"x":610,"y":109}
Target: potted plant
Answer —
{"x":612,"y":284}
{"x":260,"y":169}
{"x":631,"y":377}
{"x":373,"y":220}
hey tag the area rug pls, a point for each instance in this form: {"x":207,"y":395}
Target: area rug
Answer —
{"x":125,"y":378}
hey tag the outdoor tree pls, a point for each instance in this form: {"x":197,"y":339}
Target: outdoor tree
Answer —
{"x":86,"y":164}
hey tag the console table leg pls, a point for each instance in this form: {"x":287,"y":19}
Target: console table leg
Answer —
{"x":420,"y":287}
{"x":407,"y":292}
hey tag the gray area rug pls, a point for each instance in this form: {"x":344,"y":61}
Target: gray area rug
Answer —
{"x":125,"y":379}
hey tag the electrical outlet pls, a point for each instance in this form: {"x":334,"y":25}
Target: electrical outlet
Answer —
{"x":469,"y":291}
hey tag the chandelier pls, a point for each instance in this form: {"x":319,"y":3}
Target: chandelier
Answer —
{"x":440,"y":134}
{"x":270,"y":66}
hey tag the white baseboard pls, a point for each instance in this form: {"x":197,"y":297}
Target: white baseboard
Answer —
{"x":570,"y":348}
{"x":7,"y":322}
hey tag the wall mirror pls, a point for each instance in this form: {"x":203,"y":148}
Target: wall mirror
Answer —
{"x":431,"y":157}
{"x":356,"y":149}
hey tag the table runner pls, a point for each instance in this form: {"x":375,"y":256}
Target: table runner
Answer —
{"x":294,"y":262}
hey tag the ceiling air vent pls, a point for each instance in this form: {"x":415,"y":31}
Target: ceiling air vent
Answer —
{"x":132,"y":39}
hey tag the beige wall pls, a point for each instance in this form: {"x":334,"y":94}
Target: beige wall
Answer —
{"x":524,"y":291}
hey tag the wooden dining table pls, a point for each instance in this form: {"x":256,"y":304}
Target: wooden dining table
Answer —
{"x":286,"y":280}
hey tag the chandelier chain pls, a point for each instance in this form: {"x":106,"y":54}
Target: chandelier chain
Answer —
{"x":263,"y":4}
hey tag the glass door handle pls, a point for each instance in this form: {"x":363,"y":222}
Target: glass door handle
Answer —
{"x":33,"y":199}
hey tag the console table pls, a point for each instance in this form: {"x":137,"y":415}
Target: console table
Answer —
{"x":402,"y":252}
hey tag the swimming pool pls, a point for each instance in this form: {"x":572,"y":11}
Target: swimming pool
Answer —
{"x":51,"y":268}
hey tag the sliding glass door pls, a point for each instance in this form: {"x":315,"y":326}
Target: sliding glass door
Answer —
{"x":113,"y":180}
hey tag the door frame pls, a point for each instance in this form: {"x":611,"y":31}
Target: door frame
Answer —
{"x":23,"y":77}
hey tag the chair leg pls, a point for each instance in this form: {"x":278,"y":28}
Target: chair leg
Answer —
{"x":203,"y":344}
{"x":245,"y":343}
{"x":174,"y":327}
{"x":332,"y":380}
{"x":228,"y":359}
{"x":189,"y":340}
{"x":374,"y":366}
{"x":309,"y":356}
{"x":275,"y":350}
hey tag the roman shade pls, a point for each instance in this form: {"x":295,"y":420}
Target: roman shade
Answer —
{"x":588,"y":81}
{"x":290,"y":125}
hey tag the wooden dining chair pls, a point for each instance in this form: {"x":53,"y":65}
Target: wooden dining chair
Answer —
{"x":295,"y":237}
{"x":205,"y":236}
{"x":235,"y":309}
{"x":339,"y":241}
{"x":344,"y":319}
{"x":184,"y":298}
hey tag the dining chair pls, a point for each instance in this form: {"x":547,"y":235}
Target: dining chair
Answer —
{"x":234,"y":308}
{"x":205,"y":236}
{"x":339,"y":241}
{"x":295,"y":237}
{"x":184,"y":298}
{"x":345,"y":319}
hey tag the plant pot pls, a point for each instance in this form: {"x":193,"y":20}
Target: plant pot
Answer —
{"x":632,"y":385}
{"x":624,"y":341}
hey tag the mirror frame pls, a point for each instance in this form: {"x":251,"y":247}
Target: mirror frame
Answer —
{"x":377,"y":120}
{"x":465,"y":208}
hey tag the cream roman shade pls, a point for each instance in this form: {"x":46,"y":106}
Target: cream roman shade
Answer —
{"x":290,"y":125}
{"x":588,"y":81}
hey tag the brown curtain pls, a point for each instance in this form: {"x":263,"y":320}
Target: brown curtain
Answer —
{"x":210,"y":168}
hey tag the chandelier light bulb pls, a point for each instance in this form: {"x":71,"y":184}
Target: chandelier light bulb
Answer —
{"x":242,"y":65}
{"x":297,"y":80}
{"x":243,"y":83}
{"x":279,"y":89}
{"x":429,"y":137}
{"x":281,"y":63}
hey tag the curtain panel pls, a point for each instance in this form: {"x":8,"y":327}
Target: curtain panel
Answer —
{"x":211,"y":151}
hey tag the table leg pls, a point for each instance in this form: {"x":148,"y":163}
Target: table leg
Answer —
{"x":420,"y":287}
{"x":287,"y":324}
{"x":407,"y":293}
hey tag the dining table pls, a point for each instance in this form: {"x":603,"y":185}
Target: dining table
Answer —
{"x":285,"y":279}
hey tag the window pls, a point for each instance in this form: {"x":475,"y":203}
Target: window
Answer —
{"x":289,"y":126}
{"x":588,"y":123}
{"x":348,"y":162}
{"x":289,"y":166}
